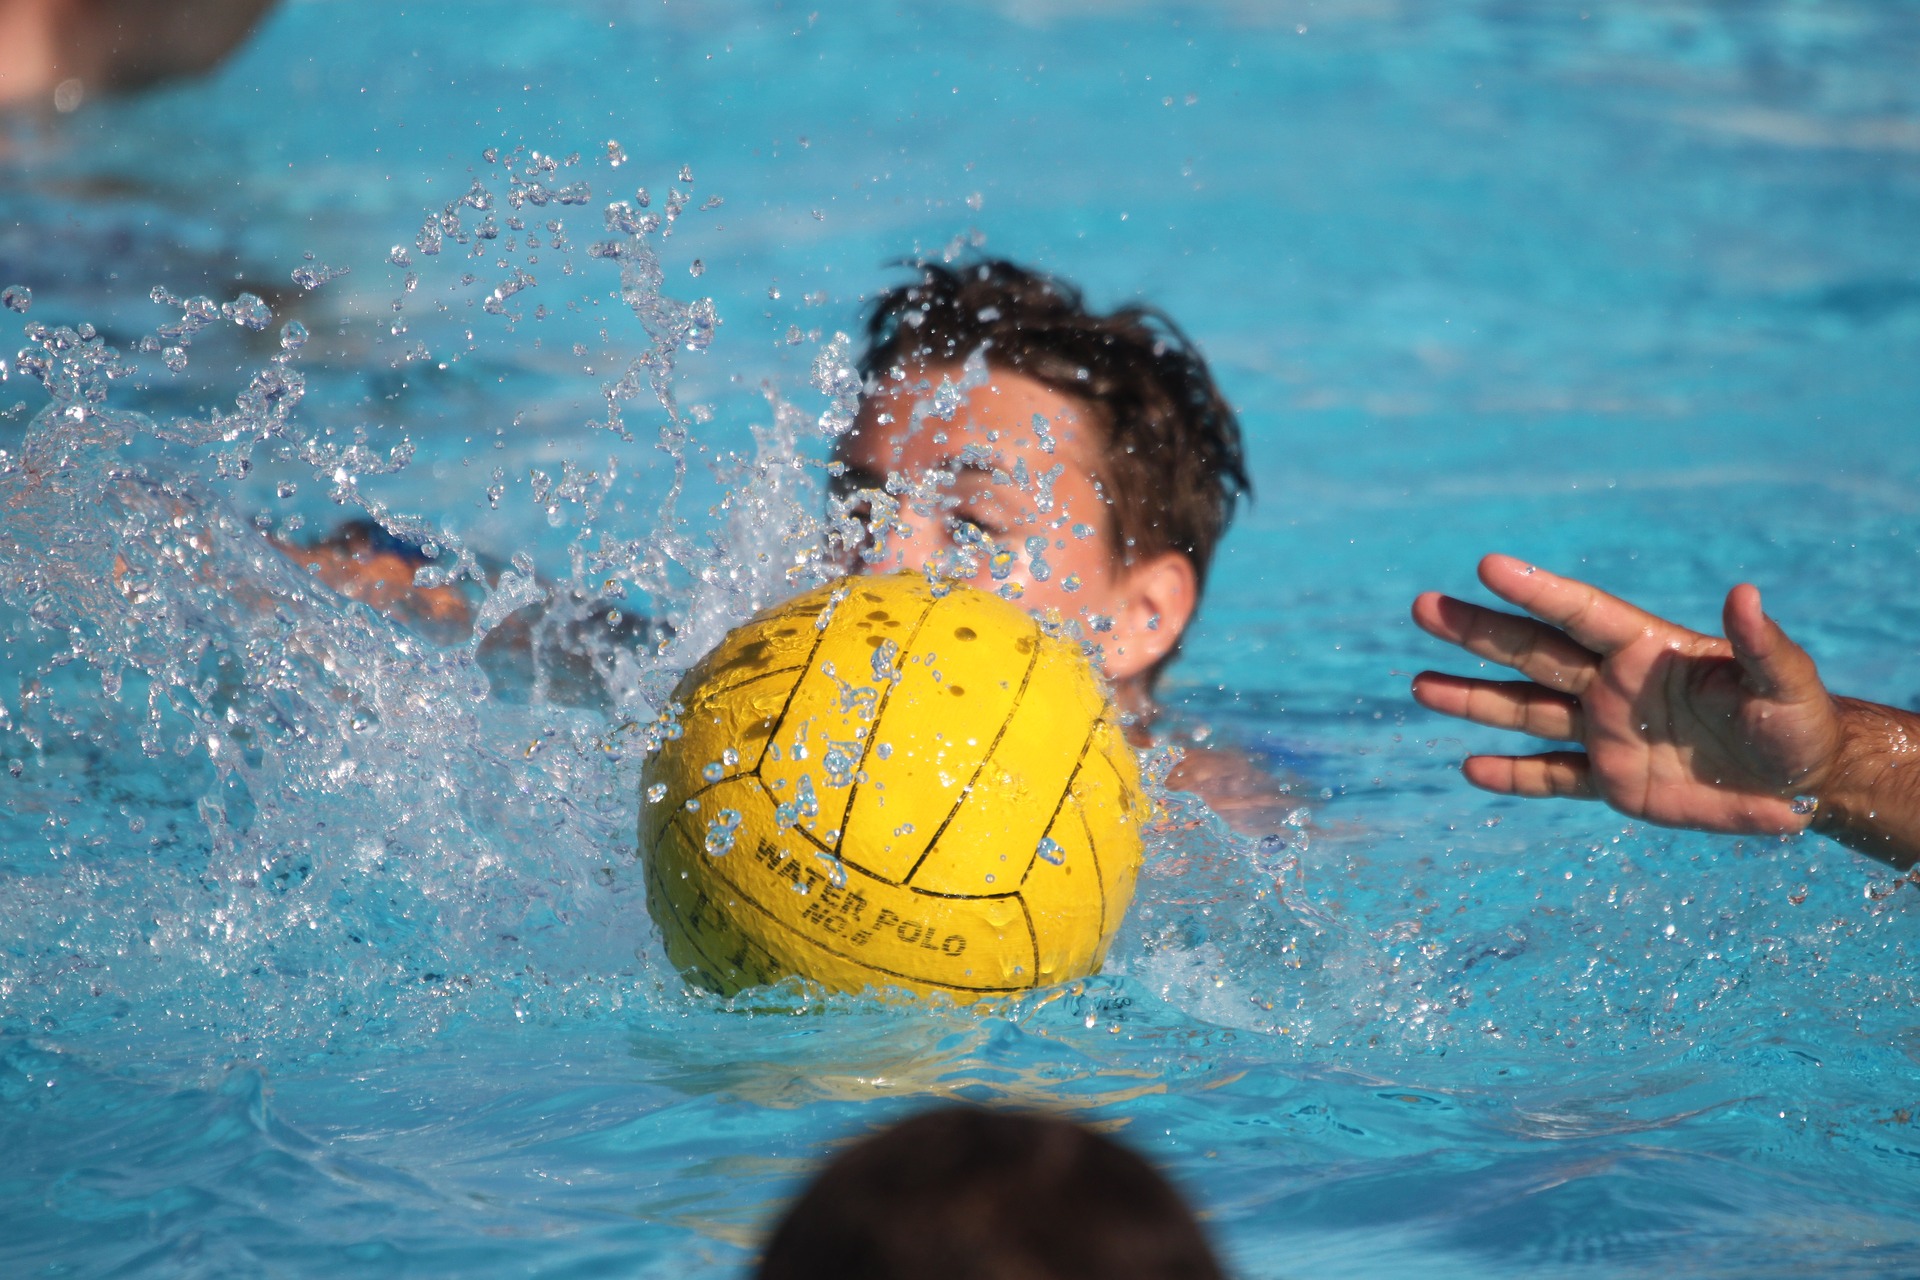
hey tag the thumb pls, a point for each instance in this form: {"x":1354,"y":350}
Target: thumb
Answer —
{"x":1772,"y":666}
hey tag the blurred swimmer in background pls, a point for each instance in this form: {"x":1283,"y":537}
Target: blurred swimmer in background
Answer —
{"x":60,"y":53}
{"x":1738,"y":735}
{"x":966,"y":1194}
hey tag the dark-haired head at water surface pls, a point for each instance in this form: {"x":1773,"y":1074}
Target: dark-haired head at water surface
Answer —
{"x":966,"y":1194}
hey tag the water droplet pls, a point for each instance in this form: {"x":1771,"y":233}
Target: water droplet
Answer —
{"x":1049,"y":851}
{"x":713,"y":772}
{"x":315,"y":276}
{"x":16,"y":297}
{"x":249,"y":311}
{"x":721,"y":831}
{"x":1804,"y":805}
{"x":656,"y":793}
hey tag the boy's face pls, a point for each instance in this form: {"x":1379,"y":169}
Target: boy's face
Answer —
{"x":1015,"y":505}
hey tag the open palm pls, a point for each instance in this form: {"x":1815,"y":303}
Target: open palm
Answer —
{"x":1679,"y":728}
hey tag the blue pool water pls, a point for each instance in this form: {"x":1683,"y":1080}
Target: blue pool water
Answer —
{"x":317,"y":959}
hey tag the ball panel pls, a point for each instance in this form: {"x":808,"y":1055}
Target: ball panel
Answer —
{"x":809,"y":914}
{"x":775,"y":638}
{"x":943,"y":715}
{"x":696,"y":919}
{"x":1065,"y":876}
{"x":994,"y":834}
{"x":826,"y":730}
{"x":740,"y":718}
{"x":1107,"y":791}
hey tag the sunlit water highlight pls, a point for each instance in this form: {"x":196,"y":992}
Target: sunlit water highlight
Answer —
{"x":322,"y":947}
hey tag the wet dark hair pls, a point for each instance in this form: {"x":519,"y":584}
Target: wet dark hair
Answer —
{"x":966,"y":1194}
{"x":1172,"y":467}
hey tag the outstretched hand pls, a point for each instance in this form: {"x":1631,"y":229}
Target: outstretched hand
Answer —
{"x":1678,"y":728}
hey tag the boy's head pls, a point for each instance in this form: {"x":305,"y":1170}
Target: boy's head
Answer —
{"x":1066,"y":458}
{"x":965,"y":1194}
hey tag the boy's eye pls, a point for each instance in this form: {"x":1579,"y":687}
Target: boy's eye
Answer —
{"x":966,"y":529}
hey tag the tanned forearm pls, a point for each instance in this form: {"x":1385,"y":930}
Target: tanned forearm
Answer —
{"x":1870,"y":799}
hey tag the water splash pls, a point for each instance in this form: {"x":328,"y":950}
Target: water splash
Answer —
{"x":357,"y":834}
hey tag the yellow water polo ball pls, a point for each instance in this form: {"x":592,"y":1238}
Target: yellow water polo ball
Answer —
{"x":889,"y":783}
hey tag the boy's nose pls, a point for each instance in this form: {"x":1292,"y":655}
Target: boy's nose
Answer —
{"x":909,"y":541}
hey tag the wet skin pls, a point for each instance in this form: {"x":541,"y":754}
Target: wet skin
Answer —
{"x":965,"y":497}
{"x":964,"y":480}
{"x":969,"y":471}
{"x":1734,"y":734}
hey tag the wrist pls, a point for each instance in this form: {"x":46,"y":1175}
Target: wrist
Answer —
{"x":1852,"y":787}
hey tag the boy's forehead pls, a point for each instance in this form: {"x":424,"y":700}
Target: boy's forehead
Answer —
{"x":1001,"y":412}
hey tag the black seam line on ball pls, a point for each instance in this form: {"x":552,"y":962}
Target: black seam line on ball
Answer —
{"x":1066,"y":788}
{"x":1118,"y":781}
{"x":1033,"y":660}
{"x":775,"y":726}
{"x":709,"y":693}
{"x":1099,"y":873}
{"x":753,"y":779}
{"x":879,"y":712}
{"x":961,"y":897}
{"x":1033,"y":938}
{"x":819,"y":638}
{"x":834,"y":851}
{"x":674,"y":811}
{"x":857,"y":962}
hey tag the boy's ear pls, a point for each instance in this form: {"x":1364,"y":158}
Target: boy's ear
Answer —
{"x":1160,"y":594}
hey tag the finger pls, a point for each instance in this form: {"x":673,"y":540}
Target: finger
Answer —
{"x":1502,"y":704}
{"x":1564,"y":775}
{"x":1603,"y":623}
{"x":1771,"y":665}
{"x":1535,"y":650}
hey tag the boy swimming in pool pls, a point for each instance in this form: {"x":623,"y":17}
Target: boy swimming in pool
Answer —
{"x":1084,"y":464}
